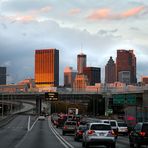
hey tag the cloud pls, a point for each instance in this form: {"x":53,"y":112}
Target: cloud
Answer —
{"x":106,"y":32}
{"x":24,"y":19}
{"x":99,"y":14}
{"x":75,"y":11}
{"x":132,"y":12}
{"x":108,"y":14}
{"x":134,"y":28}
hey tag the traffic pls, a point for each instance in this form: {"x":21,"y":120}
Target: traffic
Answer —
{"x":90,"y":132}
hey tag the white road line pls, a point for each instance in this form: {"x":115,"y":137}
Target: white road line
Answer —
{"x":33,"y":124}
{"x":59,"y":136}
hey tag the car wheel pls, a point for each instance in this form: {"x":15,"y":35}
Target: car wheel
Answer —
{"x":75,"y":139}
{"x":86,"y":145}
{"x":138,"y":146}
{"x":113,"y":145}
{"x":131,"y":145}
{"x":83,"y":144}
{"x":63,"y":133}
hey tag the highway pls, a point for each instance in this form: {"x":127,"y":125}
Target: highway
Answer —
{"x":42,"y":135}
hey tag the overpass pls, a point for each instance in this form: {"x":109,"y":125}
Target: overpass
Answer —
{"x":96,"y":102}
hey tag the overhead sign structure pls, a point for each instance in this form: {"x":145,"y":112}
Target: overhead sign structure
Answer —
{"x":120,"y":99}
{"x":51,"y":96}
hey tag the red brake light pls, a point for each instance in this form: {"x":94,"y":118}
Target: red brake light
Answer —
{"x":142,"y":133}
{"x":80,"y":132}
{"x":112,"y":132}
{"x":65,"y":127}
{"x":90,"y":132}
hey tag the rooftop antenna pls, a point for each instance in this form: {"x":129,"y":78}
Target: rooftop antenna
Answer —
{"x":81,"y":47}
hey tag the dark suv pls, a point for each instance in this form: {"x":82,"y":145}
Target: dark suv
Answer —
{"x":139,"y":136}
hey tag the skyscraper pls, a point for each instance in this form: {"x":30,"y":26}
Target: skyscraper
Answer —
{"x":80,"y":82}
{"x":69,"y":76}
{"x":110,"y":71}
{"x":81,"y":62}
{"x":47,"y":67}
{"x":126,"y":66}
{"x":2,"y":75}
{"x":93,"y":74}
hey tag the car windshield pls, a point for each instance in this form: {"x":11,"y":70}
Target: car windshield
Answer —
{"x":112,"y":123}
{"x":122,"y":124}
{"x":70,"y":123}
{"x":82,"y":128}
{"x":145,"y":128}
{"x":100,"y":127}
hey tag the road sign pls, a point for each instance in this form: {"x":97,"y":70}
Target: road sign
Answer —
{"x":131,"y":99}
{"x":119,"y":99}
{"x":51,"y":96}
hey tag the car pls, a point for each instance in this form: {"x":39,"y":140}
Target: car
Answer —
{"x":122,"y":128}
{"x":61,"y":120}
{"x":54,"y":118}
{"x":139,"y":135}
{"x":79,"y":132}
{"x":69,"y":127}
{"x":41,"y":117}
{"x":98,"y":134}
{"x":113,"y":123}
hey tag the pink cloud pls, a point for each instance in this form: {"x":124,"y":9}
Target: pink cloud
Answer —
{"x":109,"y":14}
{"x":75,"y":11}
{"x":132,"y":12}
{"x":26,"y":18}
{"x":99,"y":14}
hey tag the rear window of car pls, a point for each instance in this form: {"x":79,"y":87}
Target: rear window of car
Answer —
{"x":100,"y":127}
{"x":122,"y":124}
{"x":106,"y":122}
{"x":112,"y":123}
{"x":82,"y":127}
{"x":70,"y":123}
{"x":145,"y":128}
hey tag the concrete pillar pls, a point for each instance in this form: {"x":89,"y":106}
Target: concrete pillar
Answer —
{"x":38,"y":105}
{"x":145,"y":105}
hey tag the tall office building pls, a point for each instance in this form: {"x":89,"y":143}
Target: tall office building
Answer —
{"x":69,"y":76}
{"x":80,"y":83}
{"x":126,"y":66}
{"x":47,"y":68}
{"x":93,"y":74}
{"x":2,"y":75}
{"x":110,"y":71}
{"x":81,"y":62}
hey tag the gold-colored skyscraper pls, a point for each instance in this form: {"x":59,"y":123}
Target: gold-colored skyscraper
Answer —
{"x":47,"y":67}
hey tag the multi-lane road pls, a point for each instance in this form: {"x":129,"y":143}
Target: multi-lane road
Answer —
{"x":41,"y":135}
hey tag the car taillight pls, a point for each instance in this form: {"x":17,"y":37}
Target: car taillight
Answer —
{"x":142,"y":133}
{"x":80,"y":132}
{"x":112,"y":132}
{"x":90,"y":132}
{"x":65,"y":127}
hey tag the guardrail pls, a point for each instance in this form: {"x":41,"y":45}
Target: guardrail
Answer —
{"x":9,"y":118}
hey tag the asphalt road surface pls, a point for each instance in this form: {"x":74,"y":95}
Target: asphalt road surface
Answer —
{"x":42,"y":135}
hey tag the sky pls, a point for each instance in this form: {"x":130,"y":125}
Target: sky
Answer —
{"x":95,"y":27}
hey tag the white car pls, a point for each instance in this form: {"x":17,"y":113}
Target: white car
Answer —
{"x":98,"y":134}
{"x":122,"y":128}
{"x":41,"y":117}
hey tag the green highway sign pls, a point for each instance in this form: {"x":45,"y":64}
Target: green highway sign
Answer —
{"x":51,"y":96}
{"x":119,"y":99}
{"x":131,"y":99}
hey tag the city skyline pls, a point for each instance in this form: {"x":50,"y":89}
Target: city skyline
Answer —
{"x":98,"y":28}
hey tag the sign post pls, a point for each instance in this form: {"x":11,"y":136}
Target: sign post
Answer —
{"x":51,"y":96}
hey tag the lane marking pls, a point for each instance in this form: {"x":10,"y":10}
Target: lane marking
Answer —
{"x":28,"y":127}
{"x":33,"y":124}
{"x":59,"y":136}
